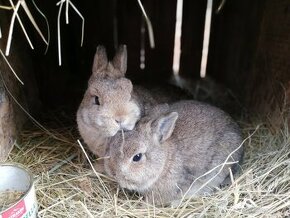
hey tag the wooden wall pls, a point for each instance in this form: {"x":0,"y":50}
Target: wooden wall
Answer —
{"x":249,"y":47}
{"x":12,"y":92}
{"x":250,"y":52}
{"x":66,"y":84}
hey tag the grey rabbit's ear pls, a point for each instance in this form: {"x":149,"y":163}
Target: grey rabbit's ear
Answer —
{"x":100,"y":59}
{"x":164,"y":126}
{"x":120,"y":60}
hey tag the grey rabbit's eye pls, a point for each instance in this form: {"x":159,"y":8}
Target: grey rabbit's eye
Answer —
{"x":97,"y":102}
{"x":137,"y":157}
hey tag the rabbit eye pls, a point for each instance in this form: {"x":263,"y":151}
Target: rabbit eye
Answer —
{"x":137,"y":157}
{"x":97,"y":100}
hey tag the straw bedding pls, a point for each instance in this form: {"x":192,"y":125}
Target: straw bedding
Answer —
{"x":67,"y":187}
{"x":7,"y":198}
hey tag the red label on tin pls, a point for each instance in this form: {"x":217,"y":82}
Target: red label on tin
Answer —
{"x":15,"y":212}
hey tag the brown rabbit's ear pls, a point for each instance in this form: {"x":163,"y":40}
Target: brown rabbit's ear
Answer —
{"x":164,"y":126}
{"x":100,"y":59}
{"x":120,"y":60}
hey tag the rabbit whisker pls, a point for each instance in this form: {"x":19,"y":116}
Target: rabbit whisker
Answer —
{"x":123,"y":142}
{"x":101,"y":158}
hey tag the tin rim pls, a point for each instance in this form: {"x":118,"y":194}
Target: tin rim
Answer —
{"x":31,"y":181}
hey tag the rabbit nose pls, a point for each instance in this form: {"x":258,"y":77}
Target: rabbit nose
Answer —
{"x":119,"y":121}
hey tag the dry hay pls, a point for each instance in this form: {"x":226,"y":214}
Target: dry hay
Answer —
{"x":8,"y":198}
{"x":67,"y":187}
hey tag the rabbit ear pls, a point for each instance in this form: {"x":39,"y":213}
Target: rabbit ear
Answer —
{"x":165,"y":125}
{"x":120,"y":60}
{"x":100,"y":59}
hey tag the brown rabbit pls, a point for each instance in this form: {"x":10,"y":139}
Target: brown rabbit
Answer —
{"x":170,"y":149}
{"x":110,"y":103}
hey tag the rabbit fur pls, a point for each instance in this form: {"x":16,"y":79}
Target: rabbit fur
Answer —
{"x":177,"y":144}
{"x":110,"y":103}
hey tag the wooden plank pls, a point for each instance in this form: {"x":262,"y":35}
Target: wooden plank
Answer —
{"x":192,"y":37}
{"x":234,"y":37}
{"x":12,"y":117}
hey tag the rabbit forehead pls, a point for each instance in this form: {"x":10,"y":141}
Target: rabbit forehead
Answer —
{"x":135,"y":145}
{"x":108,"y":89}
{"x":131,"y":144}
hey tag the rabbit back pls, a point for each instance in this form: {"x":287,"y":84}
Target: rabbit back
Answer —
{"x":204,"y":138}
{"x":180,"y":143}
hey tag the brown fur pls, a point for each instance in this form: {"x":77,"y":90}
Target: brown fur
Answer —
{"x":178,"y":144}
{"x":120,"y":105}
{"x":117,"y":108}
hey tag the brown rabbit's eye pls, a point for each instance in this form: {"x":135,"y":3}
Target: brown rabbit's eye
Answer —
{"x":97,"y":100}
{"x":137,"y":157}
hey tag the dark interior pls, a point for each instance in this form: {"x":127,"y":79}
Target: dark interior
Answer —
{"x":249,"y":48}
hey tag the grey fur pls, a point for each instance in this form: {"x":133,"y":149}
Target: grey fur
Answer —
{"x":121,"y":105}
{"x":202,"y":138}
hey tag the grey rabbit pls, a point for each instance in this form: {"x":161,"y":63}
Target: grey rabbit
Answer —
{"x":111,"y":103}
{"x":171,"y":147}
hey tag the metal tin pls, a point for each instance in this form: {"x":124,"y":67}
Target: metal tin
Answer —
{"x":14,"y":177}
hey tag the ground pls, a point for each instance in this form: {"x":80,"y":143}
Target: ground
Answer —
{"x":67,"y":187}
